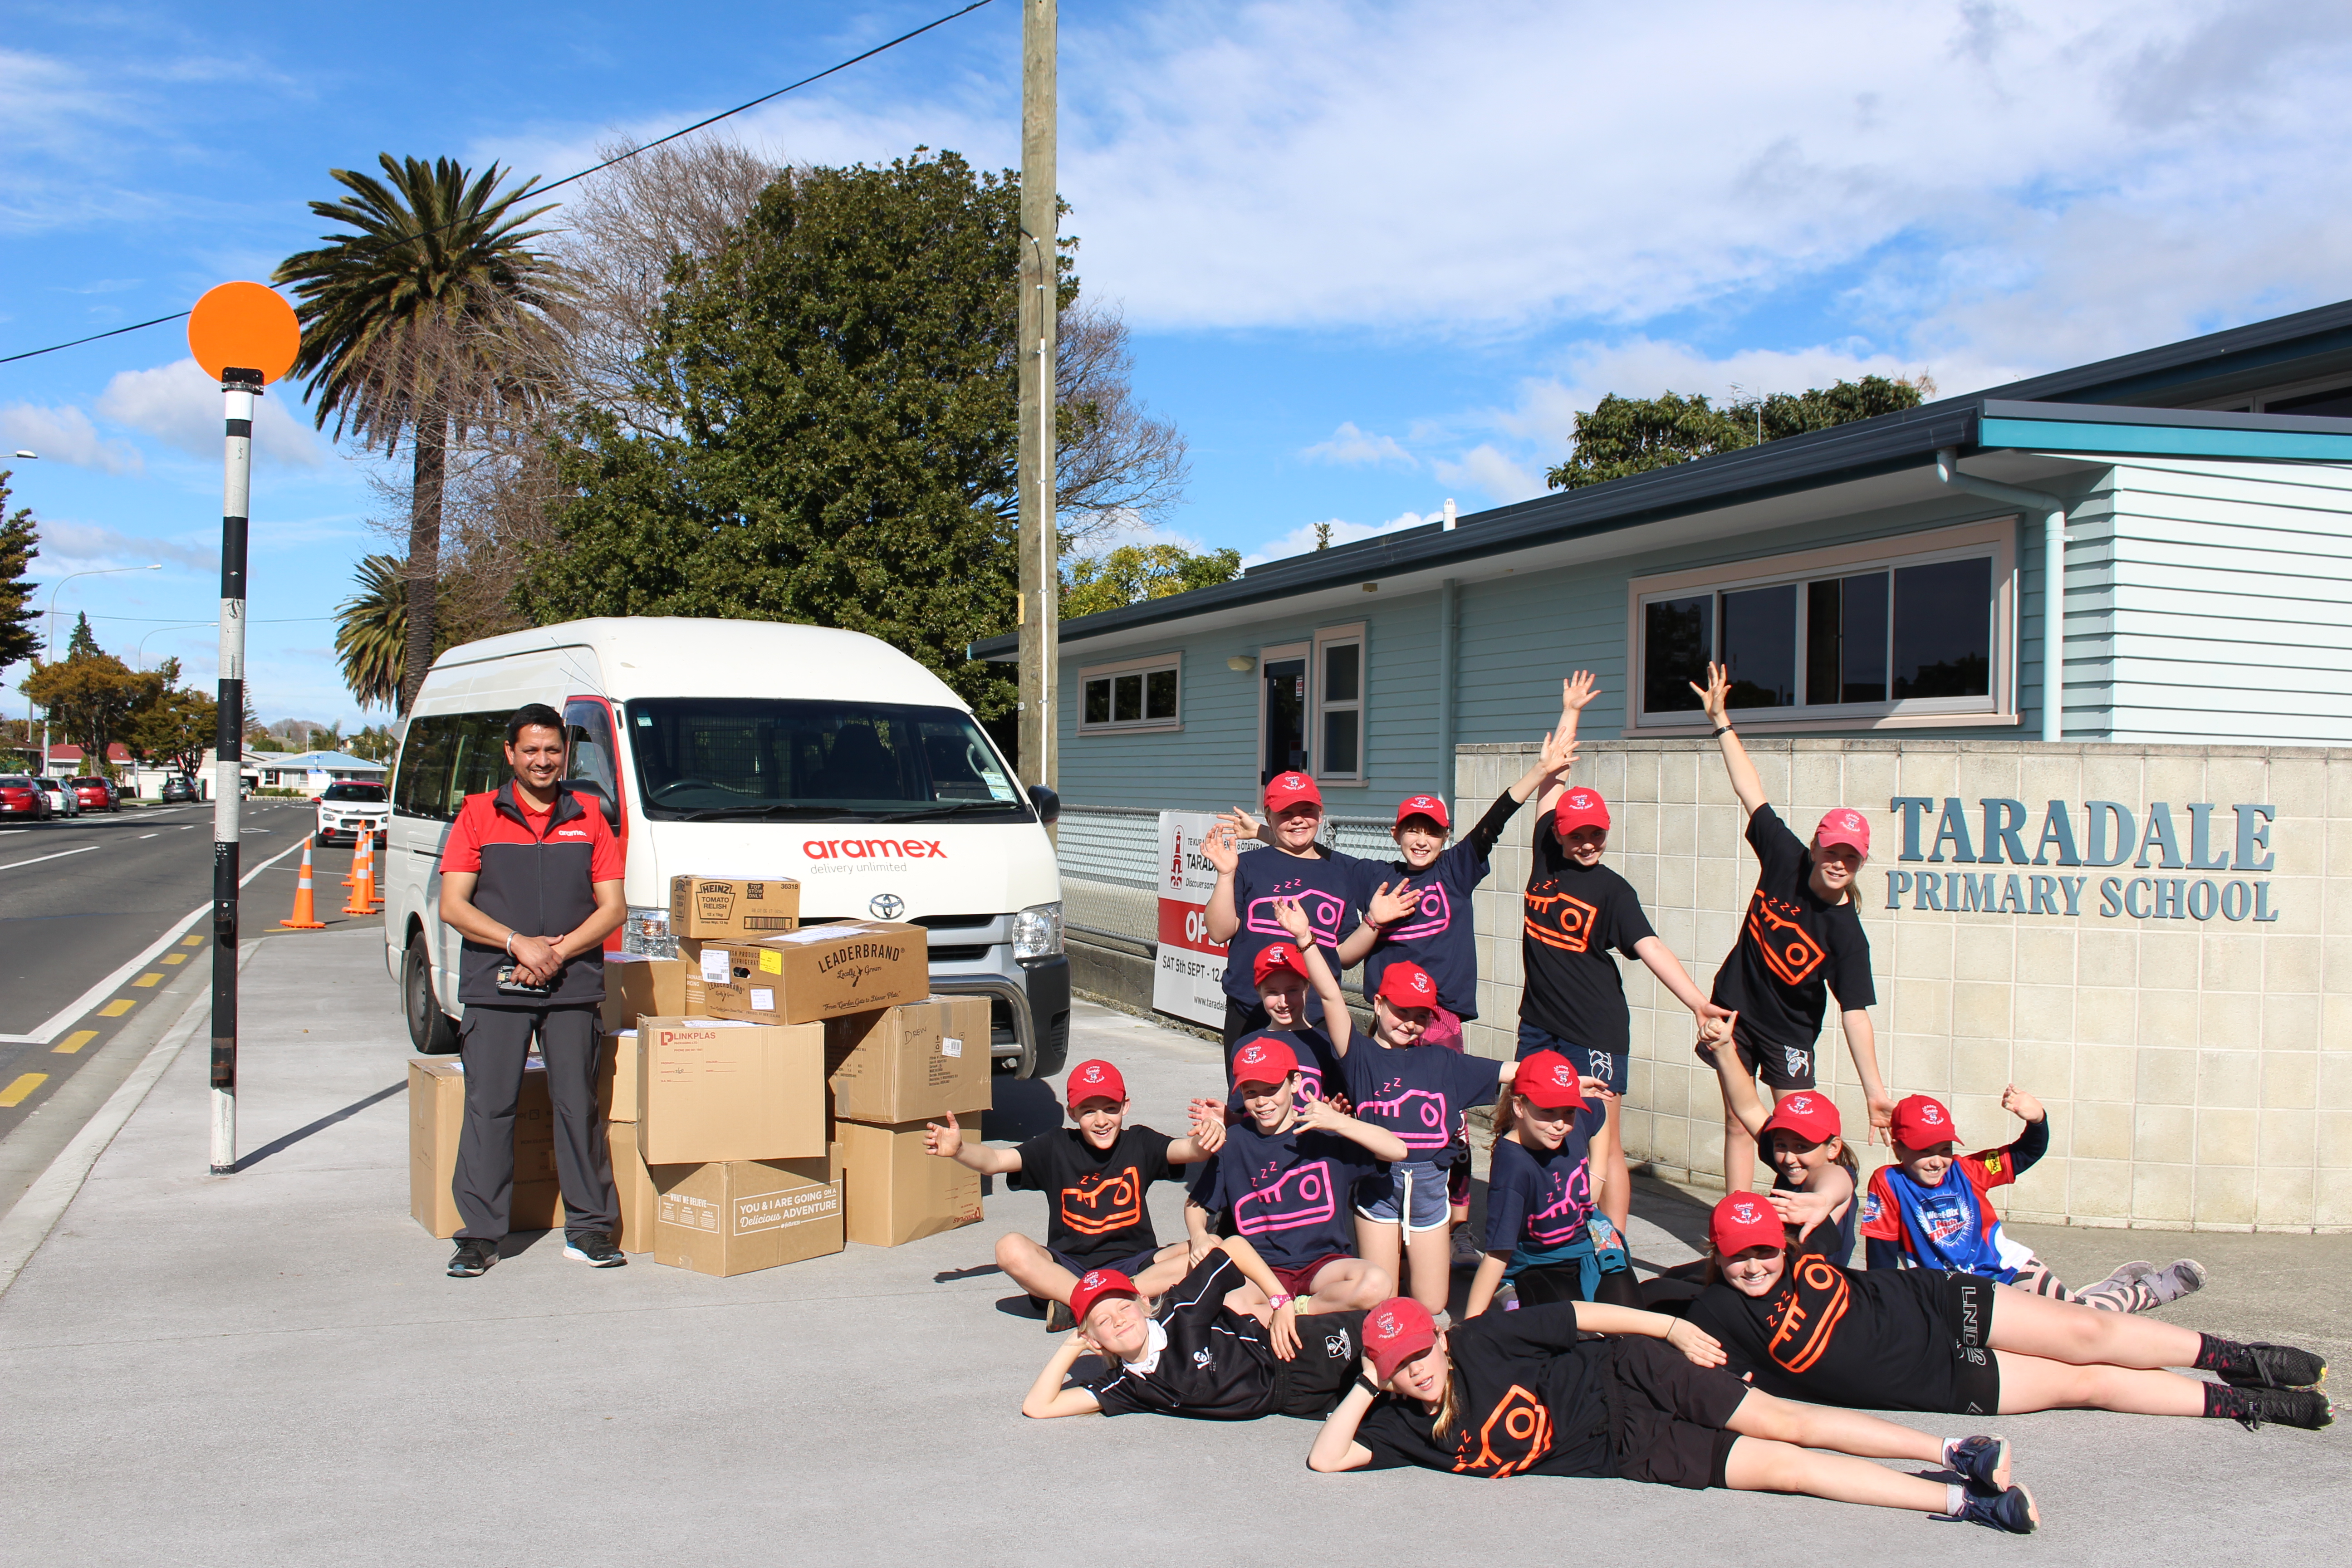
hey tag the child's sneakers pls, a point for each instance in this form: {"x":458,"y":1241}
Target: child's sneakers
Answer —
{"x":2250,"y":1407}
{"x":2181,"y":1276}
{"x":2271,"y":1367}
{"x":1981,"y":1462}
{"x":1467,"y":1254}
{"x":2013,"y":1511}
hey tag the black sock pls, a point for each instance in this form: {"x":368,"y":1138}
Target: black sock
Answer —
{"x":2219,"y":1356}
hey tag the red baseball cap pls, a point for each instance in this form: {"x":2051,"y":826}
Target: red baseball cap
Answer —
{"x":1579,"y":807}
{"x":1921,"y":1122}
{"x":1265,"y":1060}
{"x":1743,"y":1220}
{"x":1408,"y":985}
{"x":1276,"y":955}
{"x":1094,"y":1285}
{"x":1093,"y":1081}
{"x":1844,"y":826}
{"x":1427,"y":805}
{"x":1809,"y":1115}
{"x":1288,"y":789}
{"x":1549,"y":1080}
{"x":1395,"y":1331}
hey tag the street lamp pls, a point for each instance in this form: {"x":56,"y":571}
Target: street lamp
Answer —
{"x":139,"y":653}
{"x":52,"y":612}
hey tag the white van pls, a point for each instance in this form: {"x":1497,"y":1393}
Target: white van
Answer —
{"x":749,"y":749}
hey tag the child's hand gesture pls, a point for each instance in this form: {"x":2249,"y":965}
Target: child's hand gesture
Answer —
{"x":1319,"y":1116}
{"x":1217,"y":849}
{"x":1558,"y":754}
{"x":1716,"y":695}
{"x":1595,"y":1089}
{"x":1208,"y":1125}
{"x":1577,"y":692}
{"x":2022,"y":1105}
{"x":1700,"y":1347}
{"x":1715,"y":1025}
{"x":947,"y":1142}
{"x":1243,"y":824}
{"x":1391,"y":902}
{"x":1292,"y":916}
{"x":1803,"y":1210}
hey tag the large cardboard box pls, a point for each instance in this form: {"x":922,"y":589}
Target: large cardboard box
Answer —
{"x":617,"y":1076}
{"x":808,"y":975}
{"x":633,"y":1182}
{"x":732,"y":907}
{"x":436,"y":1116}
{"x":913,"y":1060}
{"x":734,"y":1217}
{"x":894,"y":1192}
{"x":713,"y":1091}
{"x":638,"y":987}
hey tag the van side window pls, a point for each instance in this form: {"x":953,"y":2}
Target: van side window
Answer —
{"x":588,"y":730}
{"x":446,"y":758}
{"x":477,"y":758}
{"x":419,"y":779}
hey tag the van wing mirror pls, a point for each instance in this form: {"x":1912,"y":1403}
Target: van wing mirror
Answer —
{"x":592,"y":793}
{"x":1048,"y":804}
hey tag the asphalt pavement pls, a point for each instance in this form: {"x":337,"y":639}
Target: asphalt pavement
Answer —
{"x":273,"y":1365}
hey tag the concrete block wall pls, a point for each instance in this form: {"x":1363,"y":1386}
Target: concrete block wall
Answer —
{"x":2197,"y":1073}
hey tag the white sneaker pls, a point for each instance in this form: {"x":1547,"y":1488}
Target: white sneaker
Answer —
{"x":2183,"y":1277}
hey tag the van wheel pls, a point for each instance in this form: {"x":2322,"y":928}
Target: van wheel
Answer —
{"x":432,"y":1032}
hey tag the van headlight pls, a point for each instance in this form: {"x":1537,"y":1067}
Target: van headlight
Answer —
{"x":646,"y":933}
{"x":1037,"y":931}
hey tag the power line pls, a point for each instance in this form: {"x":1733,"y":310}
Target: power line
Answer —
{"x":541,"y":190}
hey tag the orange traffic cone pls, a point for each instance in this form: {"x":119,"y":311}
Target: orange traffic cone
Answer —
{"x":363,"y":900}
{"x":305,"y":915}
{"x":374,"y":901}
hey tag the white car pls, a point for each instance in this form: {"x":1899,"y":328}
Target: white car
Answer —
{"x":63,"y":802}
{"x":350,"y":808}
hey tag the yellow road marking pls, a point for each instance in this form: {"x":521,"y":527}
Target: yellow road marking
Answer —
{"x":192,"y":942}
{"x":115,"y":1009}
{"x":73,"y":1042}
{"x":25,"y":1084}
{"x":175,"y":958}
{"x":146,"y":980}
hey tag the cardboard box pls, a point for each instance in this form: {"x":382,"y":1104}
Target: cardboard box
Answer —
{"x":633,"y":1183}
{"x":711,"y":1091}
{"x":734,"y":1217}
{"x":894,"y":1192}
{"x":436,"y":1116}
{"x":811,"y":975}
{"x":917,"y":1060}
{"x":617,"y":1076}
{"x":638,"y":987}
{"x":733,"y":907}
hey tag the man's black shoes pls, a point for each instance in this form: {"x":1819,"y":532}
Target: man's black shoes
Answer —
{"x":595,"y":1247}
{"x":473,"y":1257}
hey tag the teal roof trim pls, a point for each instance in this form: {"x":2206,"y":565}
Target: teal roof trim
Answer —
{"x":2164,"y":440}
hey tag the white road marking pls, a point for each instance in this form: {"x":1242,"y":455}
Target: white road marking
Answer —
{"x":38,"y":859}
{"x":144,"y":837}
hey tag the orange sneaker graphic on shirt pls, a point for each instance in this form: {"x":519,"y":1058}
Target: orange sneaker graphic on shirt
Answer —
{"x":1557,"y":919}
{"x":1787,"y":950}
{"x":1100,"y":1203}
{"x":1516,"y":1434}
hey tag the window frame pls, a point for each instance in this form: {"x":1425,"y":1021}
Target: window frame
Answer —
{"x":1146,"y":664}
{"x":1995,"y":537}
{"x":1319,"y":748}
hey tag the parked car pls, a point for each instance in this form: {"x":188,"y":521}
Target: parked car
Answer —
{"x":95,"y":792}
{"x":179,"y":788}
{"x":349,"y":808}
{"x":63,"y":802}
{"x":23,"y":797}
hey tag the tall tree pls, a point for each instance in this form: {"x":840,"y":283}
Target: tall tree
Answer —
{"x":1625,"y":435}
{"x":19,"y":543}
{"x":172,"y":723}
{"x":90,"y":697}
{"x":1130,"y":574}
{"x":436,"y":317}
{"x":372,"y":634}
{"x":835,"y":429}
{"x":83,"y":641}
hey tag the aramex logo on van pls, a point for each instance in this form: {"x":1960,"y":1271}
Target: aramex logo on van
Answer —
{"x":873,"y":849}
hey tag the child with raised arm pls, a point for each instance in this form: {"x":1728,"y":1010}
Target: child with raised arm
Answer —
{"x":1800,"y":941}
{"x":1815,"y":1176}
{"x":1288,"y":974}
{"x":1096,"y":1178}
{"x":1241,"y":907}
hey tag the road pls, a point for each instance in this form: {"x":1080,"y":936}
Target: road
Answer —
{"x":100,"y":913}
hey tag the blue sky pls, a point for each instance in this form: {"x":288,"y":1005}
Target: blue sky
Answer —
{"x":1374,"y":255}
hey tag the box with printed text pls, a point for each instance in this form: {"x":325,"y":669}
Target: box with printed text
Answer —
{"x":894,"y":1191}
{"x":808,"y":975}
{"x":709,"y":1090}
{"x":732,"y":908}
{"x":911,"y":1060}
{"x":735,"y":1216}
{"x":636,"y":986}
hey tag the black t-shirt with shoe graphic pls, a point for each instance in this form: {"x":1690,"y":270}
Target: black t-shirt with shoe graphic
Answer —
{"x":1533,"y":1399}
{"x":1094,"y":1209}
{"x":1795,"y":949}
{"x":1574,"y":921}
{"x":1873,"y":1339}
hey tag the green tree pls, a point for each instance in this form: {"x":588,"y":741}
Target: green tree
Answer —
{"x":1134,"y":573}
{"x":1625,"y":435}
{"x":436,"y":316}
{"x":83,"y":641}
{"x":836,"y":391}
{"x":374,"y":744}
{"x":91,"y":698}
{"x":19,"y":543}
{"x":174,"y":724}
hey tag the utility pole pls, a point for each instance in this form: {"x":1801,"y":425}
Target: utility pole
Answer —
{"x":1040,"y":609}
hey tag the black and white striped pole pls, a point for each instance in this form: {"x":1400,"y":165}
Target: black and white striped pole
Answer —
{"x":247,"y":335}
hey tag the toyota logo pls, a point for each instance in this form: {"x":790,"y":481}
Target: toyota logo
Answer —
{"x":887,"y":906}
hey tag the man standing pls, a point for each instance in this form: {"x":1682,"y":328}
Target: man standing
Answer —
{"x":531,"y":879}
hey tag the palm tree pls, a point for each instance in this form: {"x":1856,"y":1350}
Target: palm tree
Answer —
{"x":436,"y":317}
{"x":372,"y":639}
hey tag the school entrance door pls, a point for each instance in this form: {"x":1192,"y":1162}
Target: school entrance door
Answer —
{"x":1285,"y":705}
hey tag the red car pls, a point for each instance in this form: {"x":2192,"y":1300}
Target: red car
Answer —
{"x":96,"y":794}
{"x":20,"y":796}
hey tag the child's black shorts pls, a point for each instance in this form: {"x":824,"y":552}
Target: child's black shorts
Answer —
{"x":1669,"y":1417}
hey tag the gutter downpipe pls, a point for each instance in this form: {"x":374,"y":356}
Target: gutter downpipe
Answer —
{"x":2053,"y":578}
{"x":1448,"y":617}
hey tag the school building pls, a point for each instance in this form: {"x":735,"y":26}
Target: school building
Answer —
{"x":2078,"y":645}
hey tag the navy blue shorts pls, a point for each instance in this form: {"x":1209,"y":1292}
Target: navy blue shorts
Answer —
{"x":1609,"y":1067}
{"x":1131,"y":1267}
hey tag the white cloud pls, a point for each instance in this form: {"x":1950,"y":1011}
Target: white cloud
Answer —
{"x":179,"y":404}
{"x":1350,"y":446}
{"x":1485,"y":469}
{"x":81,"y":545}
{"x":1301,"y":540}
{"x":66,"y":435}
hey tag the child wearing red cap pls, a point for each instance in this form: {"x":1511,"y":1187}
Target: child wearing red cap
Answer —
{"x":1539,"y":1198}
{"x":1283,"y":1180}
{"x":1926,"y":1339}
{"x":1800,"y":941}
{"x":1815,"y":1176}
{"x":1096,"y":1178}
{"x":1914,"y":1216}
{"x":1241,"y":910}
{"x":1287,"y":975}
{"x":1213,"y":1349}
{"x":1531,"y":1393}
{"x":1420,"y":1094}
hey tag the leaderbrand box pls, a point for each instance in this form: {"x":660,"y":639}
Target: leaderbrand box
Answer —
{"x":914,"y":1061}
{"x":735,"y":1216}
{"x":436,"y":1115}
{"x":731,"y":907}
{"x":711,"y":1091}
{"x":811,"y":975}
{"x":894,"y":1191}
{"x":636,"y":986}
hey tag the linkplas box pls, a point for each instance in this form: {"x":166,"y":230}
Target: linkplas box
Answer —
{"x":735,"y":1216}
{"x":808,"y":975}
{"x":712,"y":1091}
{"x":732,"y":908}
{"x":436,"y":1115}
{"x":916,"y":1059}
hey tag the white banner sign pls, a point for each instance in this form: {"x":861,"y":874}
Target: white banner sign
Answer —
{"x":1188,"y":980}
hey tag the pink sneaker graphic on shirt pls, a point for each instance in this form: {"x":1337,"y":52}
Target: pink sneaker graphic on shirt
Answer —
{"x":1434,"y":913}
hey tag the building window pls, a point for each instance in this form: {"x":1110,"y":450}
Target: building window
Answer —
{"x":1137,"y":694}
{"x":1339,"y":703}
{"x":1890,"y":633}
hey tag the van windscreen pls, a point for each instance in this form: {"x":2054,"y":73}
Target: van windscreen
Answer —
{"x":749,"y":758}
